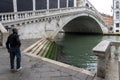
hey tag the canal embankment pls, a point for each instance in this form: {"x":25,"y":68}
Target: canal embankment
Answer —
{"x":39,"y":68}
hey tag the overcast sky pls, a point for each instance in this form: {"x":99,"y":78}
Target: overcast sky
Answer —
{"x":103,"y":6}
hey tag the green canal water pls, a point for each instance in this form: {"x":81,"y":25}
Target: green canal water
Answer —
{"x":77,"y":49}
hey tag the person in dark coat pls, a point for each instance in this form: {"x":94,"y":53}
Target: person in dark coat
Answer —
{"x":13,"y":46}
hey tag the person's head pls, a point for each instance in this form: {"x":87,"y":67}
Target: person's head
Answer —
{"x":14,"y":30}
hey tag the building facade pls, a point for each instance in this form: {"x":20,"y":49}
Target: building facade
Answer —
{"x":116,"y":16}
{"x":29,"y":5}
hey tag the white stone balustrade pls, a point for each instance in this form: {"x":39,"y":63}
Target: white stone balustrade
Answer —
{"x":14,"y":16}
{"x":103,"y":52}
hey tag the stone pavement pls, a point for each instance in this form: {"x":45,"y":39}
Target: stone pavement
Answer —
{"x":38,"y":68}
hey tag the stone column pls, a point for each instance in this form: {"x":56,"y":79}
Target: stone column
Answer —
{"x":15,"y":5}
{"x":75,"y":3}
{"x":101,"y":67}
{"x":34,"y":3}
{"x":34,"y":7}
{"x":47,"y":4}
{"x":67,"y":3}
{"x":58,"y":4}
{"x":102,"y":51}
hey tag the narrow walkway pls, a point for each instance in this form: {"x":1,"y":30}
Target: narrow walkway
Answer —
{"x":38,"y":68}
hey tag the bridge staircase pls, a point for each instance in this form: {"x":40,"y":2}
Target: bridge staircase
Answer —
{"x":44,"y":48}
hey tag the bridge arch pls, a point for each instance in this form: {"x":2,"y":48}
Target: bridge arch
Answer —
{"x":83,"y":23}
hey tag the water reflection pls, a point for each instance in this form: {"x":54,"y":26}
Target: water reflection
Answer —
{"x":77,"y":49}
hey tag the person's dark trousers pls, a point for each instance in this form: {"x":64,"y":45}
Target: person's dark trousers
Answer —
{"x":15,"y":52}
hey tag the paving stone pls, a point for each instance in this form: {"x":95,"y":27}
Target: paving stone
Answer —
{"x":81,"y":76}
{"x":44,"y":69}
{"x":50,"y":74}
{"x":89,"y":78}
{"x":64,"y":74}
{"x":69,"y":71}
{"x":74,"y":78}
{"x":4,"y":78}
{"x":53,"y":69}
{"x":45,"y":78}
{"x":61,"y":78}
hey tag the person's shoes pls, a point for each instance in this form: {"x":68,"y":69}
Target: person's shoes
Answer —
{"x":19,"y":69}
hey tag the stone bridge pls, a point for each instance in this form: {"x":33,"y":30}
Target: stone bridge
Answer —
{"x":82,"y":18}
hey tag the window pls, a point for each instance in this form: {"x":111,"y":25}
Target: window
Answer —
{"x":23,"y":5}
{"x":117,"y":4}
{"x":117,"y":24}
{"x":63,"y":3}
{"x":41,"y":4}
{"x":117,"y":15}
{"x":53,"y":4}
{"x":117,"y":30}
{"x":6,"y":6}
{"x":70,"y":3}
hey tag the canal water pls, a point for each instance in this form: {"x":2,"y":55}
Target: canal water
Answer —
{"x":77,"y":49}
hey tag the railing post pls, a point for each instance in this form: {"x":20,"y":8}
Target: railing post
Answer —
{"x":67,"y":4}
{"x":2,"y":17}
{"x":34,"y":7}
{"x":75,"y":4}
{"x":101,"y":67}
{"x":102,"y":51}
{"x":58,"y":4}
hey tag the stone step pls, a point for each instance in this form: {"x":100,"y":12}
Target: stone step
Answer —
{"x":45,"y":52}
{"x":50,"y":51}
{"x":53,"y":54}
{"x":27,"y":50}
{"x":44,"y":48}
{"x":41,"y":47}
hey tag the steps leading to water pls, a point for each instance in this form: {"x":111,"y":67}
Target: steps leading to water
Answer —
{"x":44,"y":48}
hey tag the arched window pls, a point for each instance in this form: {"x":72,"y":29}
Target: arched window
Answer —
{"x":117,"y":15}
{"x":117,"y":4}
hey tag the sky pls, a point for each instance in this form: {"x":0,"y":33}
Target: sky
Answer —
{"x":103,"y":6}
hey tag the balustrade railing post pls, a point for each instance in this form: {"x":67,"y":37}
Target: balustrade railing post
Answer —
{"x":101,"y":67}
{"x":103,"y":52}
{"x":15,"y":16}
{"x":2,"y":17}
